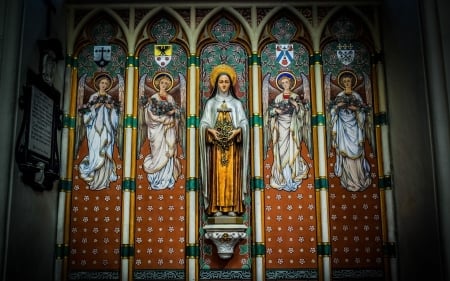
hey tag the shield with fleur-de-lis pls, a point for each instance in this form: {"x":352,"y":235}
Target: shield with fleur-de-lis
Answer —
{"x":163,"y":54}
{"x":284,"y":53}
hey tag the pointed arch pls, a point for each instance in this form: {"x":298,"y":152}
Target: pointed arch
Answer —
{"x":76,"y":34}
{"x":159,"y":12}
{"x":234,"y":17}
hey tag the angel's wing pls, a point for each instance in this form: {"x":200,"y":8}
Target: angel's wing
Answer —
{"x":182,"y":118}
{"x":142,"y":127}
{"x":369,"y":129}
{"x":306,"y":128}
{"x":327,"y":90}
{"x":80,"y":130}
{"x":120,"y":97}
{"x":266,"y":119}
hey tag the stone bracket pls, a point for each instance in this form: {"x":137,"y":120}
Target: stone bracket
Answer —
{"x":225,"y":237}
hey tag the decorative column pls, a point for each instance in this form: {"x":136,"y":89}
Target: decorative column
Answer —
{"x":192,"y":182}
{"x":129,"y":170}
{"x":384,"y":168}
{"x":321,"y":182}
{"x":65,"y":185}
{"x":257,"y":175}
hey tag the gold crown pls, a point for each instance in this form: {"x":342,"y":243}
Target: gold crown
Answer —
{"x":222,"y":69}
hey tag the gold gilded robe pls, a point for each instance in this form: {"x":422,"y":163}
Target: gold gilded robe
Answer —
{"x":225,"y":187}
{"x":224,"y":165}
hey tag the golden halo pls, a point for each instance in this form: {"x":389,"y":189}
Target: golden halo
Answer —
{"x":161,"y":75}
{"x":222,"y":69}
{"x":286,"y":74}
{"x":347,"y":73}
{"x":99,"y":77}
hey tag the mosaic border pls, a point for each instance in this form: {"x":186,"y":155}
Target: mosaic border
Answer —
{"x":94,"y":275}
{"x":290,"y":274}
{"x":225,"y":275}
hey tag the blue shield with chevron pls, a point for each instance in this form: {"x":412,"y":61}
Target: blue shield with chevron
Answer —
{"x":284,"y":54}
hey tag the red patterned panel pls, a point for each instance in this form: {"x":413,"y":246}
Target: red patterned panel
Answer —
{"x":160,"y":225}
{"x":290,"y":222}
{"x":95,"y":223}
{"x":355,"y":222}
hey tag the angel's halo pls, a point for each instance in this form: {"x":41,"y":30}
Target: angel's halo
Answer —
{"x":160,"y":76}
{"x":347,"y":73}
{"x":286,"y":74}
{"x":103,"y":75}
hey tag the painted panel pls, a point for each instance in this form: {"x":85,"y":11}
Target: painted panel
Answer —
{"x":224,"y":50}
{"x":290,"y":202}
{"x":354,"y":194}
{"x":95,"y":215}
{"x":160,"y":223}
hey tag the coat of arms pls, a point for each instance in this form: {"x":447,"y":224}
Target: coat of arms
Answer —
{"x":284,"y":54}
{"x":345,"y":53}
{"x":102,"y":55}
{"x":163,"y":54}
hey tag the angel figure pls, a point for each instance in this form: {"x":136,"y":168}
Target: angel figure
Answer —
{"x":100,"y":123}
{"x":287,"y":122}
{"x":161,"y":122}
{"x":349,"y":122}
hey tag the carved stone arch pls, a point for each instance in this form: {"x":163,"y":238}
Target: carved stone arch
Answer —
{"x":361,"y":31}
{"x":302,"y":34}
{"x":241,"y":37}
{"x":85,"y":36}
{"x":145,"y":37}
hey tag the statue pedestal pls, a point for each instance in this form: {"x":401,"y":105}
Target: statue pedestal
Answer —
{"x":225,"y":233}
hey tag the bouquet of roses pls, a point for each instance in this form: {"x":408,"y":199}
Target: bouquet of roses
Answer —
{"x":350,"y":100}
{"x":101,"y":99}
{"x":285,"y":106}
{"x":160,"y":107}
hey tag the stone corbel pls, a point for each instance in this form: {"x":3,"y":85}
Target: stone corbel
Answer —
{"x":225,"y":237}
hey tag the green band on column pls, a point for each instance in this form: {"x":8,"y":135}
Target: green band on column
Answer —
{"x":254,"y":59}
{"x":385,"y":182}
{"x":192,"y":184}
{"x":69,"y":60}
{"x":192,"y":121}
{"x":324,"y":249}
{"x":69,"y":122}
{"x":192,"y":251}
{"x":320,"y":183}
{"x":132,"y":61}
{"x":65,"y":185}
{"x":61,"y":251}
{"x":258,"y":249}
{"x":318,"y":120}
{"x":377,"y":58}
{"x":315,"y":59}
{"x":194,"y":60}
{"x":256,"y":121}
{"x":130,"y":122}
{"x":389,"y":249}
{"x":257,"y":183}
{"x":381,"y":119}
{"x":126,"y":250}
{"x":129,"y":184}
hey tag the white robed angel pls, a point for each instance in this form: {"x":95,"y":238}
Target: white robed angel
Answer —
{"x":287,"y":123}
{"x":161,"y":121}
{"x":349,"y":123}
{"x":99,"y":103}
